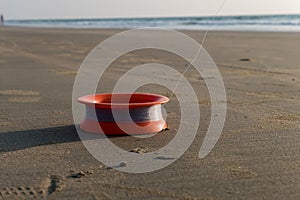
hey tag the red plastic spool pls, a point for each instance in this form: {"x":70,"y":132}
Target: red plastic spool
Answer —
{"x":145,"y":112}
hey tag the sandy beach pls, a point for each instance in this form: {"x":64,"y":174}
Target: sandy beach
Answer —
{"x":257,"y":156}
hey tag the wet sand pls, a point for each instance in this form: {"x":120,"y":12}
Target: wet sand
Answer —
{"x":257,"y":156}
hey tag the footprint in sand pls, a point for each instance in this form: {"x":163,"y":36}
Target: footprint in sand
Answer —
{"x":49,"y":186}
{"x":21,"y":96}
{"x":20,"y":193}
{"x":245,"y":59}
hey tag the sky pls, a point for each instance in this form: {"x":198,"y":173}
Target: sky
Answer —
{"x":58,"y":9}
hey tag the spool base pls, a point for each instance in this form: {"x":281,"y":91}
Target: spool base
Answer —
{"x":111,"y":128}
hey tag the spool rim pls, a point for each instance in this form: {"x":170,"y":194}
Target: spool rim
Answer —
{"x":100,"y":100}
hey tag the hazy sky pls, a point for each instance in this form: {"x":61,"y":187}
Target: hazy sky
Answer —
{"x":32,"y":9}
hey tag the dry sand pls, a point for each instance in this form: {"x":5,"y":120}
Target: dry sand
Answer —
{"x":257,"y":156}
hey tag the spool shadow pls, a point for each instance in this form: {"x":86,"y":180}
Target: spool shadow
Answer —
{"x":18,"y":140}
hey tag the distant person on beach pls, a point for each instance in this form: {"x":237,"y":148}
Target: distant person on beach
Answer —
{"x":2,"y":19}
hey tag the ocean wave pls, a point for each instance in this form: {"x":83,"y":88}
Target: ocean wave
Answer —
{"x":270,"y":22}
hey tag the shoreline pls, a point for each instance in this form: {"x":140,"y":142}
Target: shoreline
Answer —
{"x":123,"y":29}
{"x":180,"y":30}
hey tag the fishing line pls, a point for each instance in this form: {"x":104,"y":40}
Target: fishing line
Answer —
{"x":143,"y":114}
{"x":201,"y":47}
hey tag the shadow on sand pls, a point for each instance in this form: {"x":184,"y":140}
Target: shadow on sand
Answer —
{"x":18,"y":140}
{"x":12,"y":141}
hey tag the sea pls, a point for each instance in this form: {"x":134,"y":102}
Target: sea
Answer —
{"x":282,"y":23}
